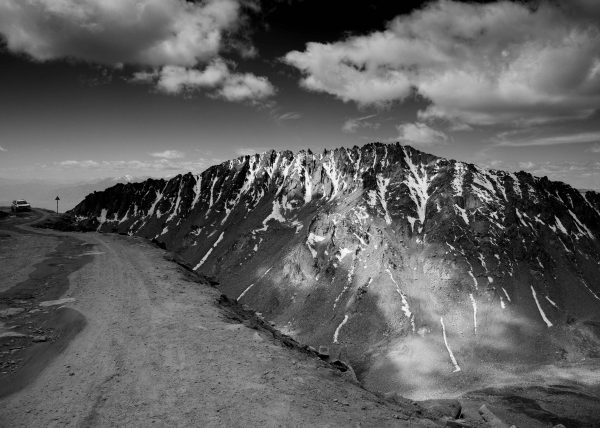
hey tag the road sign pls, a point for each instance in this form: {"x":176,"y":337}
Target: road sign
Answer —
{"x":57,"y":199}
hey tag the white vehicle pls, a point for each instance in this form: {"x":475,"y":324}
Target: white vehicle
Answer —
{"x":20,"y":205}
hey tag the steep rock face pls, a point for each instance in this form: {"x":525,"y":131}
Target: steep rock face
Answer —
{"x":421,"y":271}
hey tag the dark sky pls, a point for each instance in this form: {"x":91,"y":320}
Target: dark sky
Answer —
{"x":97,"y":88}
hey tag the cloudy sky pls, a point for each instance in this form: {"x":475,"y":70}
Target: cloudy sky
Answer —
{"x":97,"y":88}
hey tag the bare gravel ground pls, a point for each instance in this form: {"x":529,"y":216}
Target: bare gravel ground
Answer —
{"x":157,"y":351}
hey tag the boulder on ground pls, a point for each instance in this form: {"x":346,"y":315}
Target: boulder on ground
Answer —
{"x":347,"y":371}
{"x":492,"y":420}
{"x":323,"y":352}
{"x":442,"y":408}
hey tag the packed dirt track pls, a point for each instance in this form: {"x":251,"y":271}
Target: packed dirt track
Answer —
{"x":133,"y":339}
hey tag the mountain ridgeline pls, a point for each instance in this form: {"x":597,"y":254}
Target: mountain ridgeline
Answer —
{"x":421,"y":271}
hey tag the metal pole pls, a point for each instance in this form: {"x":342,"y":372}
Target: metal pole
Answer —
{"x":56,"y":207}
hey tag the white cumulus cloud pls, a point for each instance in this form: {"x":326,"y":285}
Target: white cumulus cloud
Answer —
{"x":179,"y":43}
{"x":162,"y":165}
{"x":80,"y":163}
{"x":168,"y":154}
{"x":528,"y":165}
{"x":420,"y":134}
{"x":216,"y":77}
{"x":174,"y":79}
{"x":246,"y":86}
{"x":146,"y":32}
{"x":505,"y":139}
{"x":477,"y":64}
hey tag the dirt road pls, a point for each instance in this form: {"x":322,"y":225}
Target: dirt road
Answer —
{"x":157,"y":351}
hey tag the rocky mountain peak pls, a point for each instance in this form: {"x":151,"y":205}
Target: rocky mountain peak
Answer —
{"x":399,"y":260}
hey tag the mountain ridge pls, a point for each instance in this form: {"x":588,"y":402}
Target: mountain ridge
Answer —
{"x":384,"y":254}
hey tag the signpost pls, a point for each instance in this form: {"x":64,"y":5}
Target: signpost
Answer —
{"x":57,"y":199}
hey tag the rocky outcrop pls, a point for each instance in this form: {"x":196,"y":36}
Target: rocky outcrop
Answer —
{"x":410,"y":266}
